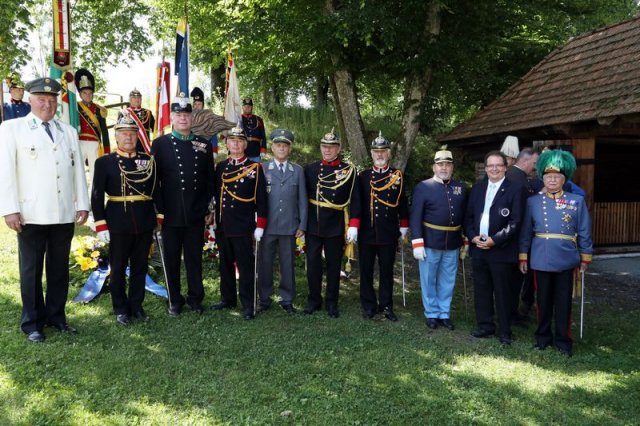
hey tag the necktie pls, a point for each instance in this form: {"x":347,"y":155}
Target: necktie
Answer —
{"x":48,"y":130}
{"x":281,"y":167}
{"x":488,"y":200}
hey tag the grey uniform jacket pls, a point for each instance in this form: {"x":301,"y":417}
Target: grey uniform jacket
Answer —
{"x":287,"y":197}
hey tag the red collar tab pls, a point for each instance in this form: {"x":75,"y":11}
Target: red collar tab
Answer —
{"x":238,"y":161}
{"x":381,"y":169}
{"x":333,"y":163}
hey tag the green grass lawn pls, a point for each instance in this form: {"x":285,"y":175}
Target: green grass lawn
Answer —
{"x":279,"y":369}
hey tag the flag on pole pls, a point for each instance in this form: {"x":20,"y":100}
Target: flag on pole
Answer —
{"x":61,"y":64}
{"x":162,"y":97}
{"x":61,"y":34}
{"x":232,"y":104}
{"x":68,"y":99}
{"x":182,"y":56}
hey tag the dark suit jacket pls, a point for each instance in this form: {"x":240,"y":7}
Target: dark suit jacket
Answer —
{"x":186,"y":179}
{"x":505,"y":217}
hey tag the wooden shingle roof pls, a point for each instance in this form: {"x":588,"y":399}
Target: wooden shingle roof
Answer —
{"x":595,"y":75}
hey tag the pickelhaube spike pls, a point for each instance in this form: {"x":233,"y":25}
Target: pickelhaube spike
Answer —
{"x":380,"y":142}
{"x":443,"y":155}
{"x":330,"y":138}
{"x":237,"y":132}
{"x":125,"y":122}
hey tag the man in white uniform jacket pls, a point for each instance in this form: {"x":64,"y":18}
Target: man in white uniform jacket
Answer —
{"x":43,"y":191}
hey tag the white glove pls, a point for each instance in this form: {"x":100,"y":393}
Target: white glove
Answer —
{"x":257,"y":234}
{"x":104,"y":236}
{"x":212,"y":229}
{"x":352,"y":234}
{"x":403,"y":232}
{"x":420,"y":253}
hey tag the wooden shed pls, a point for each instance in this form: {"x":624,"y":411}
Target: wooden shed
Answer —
{"x":583,"y":97}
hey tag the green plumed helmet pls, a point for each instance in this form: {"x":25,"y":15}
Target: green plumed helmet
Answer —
{"x":556,"y":161}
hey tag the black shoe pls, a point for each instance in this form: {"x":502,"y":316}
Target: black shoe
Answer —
{"x":506,"y":339}
{"x":310,"y":309}
{"x":480,"y":333}
{"x":540,"y":347}
{"x":289,"y":308}
{"x":248,"y":314}
{"x":35,"y":337}
{"x":432,"y":323}
{"x":122,"y":319}
{"x":197,"y":308}
{"x":446,"y":323}
{"x":222,"y":305}
{"x":368,"y":314}
{"x":262,"y":308}
{"x":141,"y":315}
{"x":174,"y":310}
{"x":63,"y":327}
{"x":389,"y":314}
{"x":332,"y":311}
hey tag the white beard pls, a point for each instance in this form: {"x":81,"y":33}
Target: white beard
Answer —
{"x":380,"y":163}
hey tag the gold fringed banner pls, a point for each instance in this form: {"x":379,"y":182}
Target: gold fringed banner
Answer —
{"x":61,"y":34}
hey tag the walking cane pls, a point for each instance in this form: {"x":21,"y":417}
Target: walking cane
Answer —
{"x":255,"y":278}
{"x":581,"y":302}
{"x":404,"y":299}
{"x":158,"y":237}
{"x":464,"y":285}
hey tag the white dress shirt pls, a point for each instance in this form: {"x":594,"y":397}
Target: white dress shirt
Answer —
{"x":492,"y":190}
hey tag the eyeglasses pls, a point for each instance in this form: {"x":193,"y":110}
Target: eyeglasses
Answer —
{"x":494,"y":166}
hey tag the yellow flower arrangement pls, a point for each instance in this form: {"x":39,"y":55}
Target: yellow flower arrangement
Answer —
{"x":89,"y":252}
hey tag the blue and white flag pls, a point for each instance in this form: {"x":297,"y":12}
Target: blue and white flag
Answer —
{"x":182,"y":56}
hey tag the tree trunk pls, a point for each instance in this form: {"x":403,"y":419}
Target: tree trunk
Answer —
{"x":350,"y":113}
{"x":270,"y":98}
{"x":217,"y":77}
{"x":344,"y":92}
{"x":336,"y":104}
{"x":416,"y":89}
{"x":322,"y":90}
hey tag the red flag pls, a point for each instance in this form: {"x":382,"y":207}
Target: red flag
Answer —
{"x":163,"y":107}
